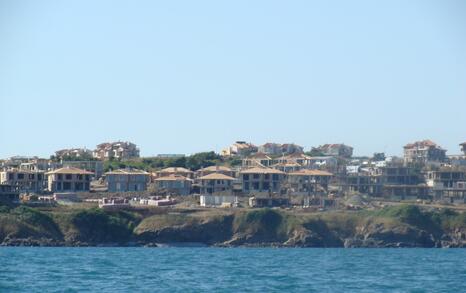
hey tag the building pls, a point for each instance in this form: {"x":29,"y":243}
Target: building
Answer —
{"x":446,"y":182}
{"x":336,"y":150}
{"x":24,"y":181}
{"x":307,"y":182}
{"x":323,"y":163}
{"x":74,"y":153}
{"x":239,"y":148}
{"x":218,"y":200}
{"x":400,"y":175}
{"x":215,"y":169}
{"x":257,"y":160}
{"x":178,"y":171}
{"x":125,"y":180}
{"x":216,"y":183}
{"x":69,"y":179}
{"x":269,"y":202}
{"x":261,"y":180}
{"x":279,"y":149}
{"x":120,"y":150}
{"x":270,"y":148}
{"x":463,"y":147}
{"x":173,"y":184}
{"x":8,"y":194}
{"x":422,"y":152}
{"x":96,"y":166}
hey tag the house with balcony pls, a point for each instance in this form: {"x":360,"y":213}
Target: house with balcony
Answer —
{"x":215,"y":169}
{"x":120,"y":150}
{"x":307,"y":182}
{"x":69,"y":179}
{"x":422,"y":152}
{"x":178,"y":171}
{"x":23,"y":180}
{"x":336,"y":150}
{"x":124,"y":180}
{"x":173,"y":185}
{"x":261,"y":180}
{"x":216,"y":183}
{"x":239,"y":148}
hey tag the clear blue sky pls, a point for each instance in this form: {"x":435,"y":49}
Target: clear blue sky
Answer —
{"x":188,"y":76}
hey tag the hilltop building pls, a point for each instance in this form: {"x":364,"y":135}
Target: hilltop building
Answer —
{"x":73,"y":153}
{"x":239,"y":148}
{"x":116,"y":150}
{"x":336,"y":150}
{"x":423,"y":152}
{"x":173,"y":184}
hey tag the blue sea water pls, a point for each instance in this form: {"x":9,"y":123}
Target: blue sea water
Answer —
{"x":24,"y":269}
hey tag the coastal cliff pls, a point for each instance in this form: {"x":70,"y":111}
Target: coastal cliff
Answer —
{"x":400,"y":226}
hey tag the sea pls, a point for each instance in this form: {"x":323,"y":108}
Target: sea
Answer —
{"x":207,"y":269}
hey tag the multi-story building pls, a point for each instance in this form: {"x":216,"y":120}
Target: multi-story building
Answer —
{"x":423,"y":152}
{"x":216,"y":183}
{"x":240,"y":148}
{"x":124,"y":180}
{"x":215,"y":169}
{"x":279,"y":149}
{"x":463,"y":147}
{"x":8,"y":194}
{"x":65,"y":154}
{"x":261,"y":180}
{"x":23,"y":180}
{"x":257,"y":160}
{"x":69,"y":179}
{"x":337,"y":150}
{"x":119,"y":150}
{"x":173,"y":185}
{"x":446,"y":182}
{"x":178,"y":171}
{"x":308,"y":181}
{"x":94,"y":166}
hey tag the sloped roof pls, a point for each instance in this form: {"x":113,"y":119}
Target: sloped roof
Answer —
{"x":127,"y":172}
{"x":173,"y":178}
{"x":216,"y":176}
{"x":216,"y":168}
{"x":70,"y":170}
{"x":258,"y":170}
{"x":308,"y":172}
{"x":176,"y":170}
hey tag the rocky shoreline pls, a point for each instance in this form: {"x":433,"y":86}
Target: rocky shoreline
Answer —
{"x":402,"y":227}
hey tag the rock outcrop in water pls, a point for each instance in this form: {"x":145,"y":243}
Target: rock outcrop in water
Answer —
{"x":402,"y":226}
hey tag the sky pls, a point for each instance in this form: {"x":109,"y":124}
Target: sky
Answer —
{"x":190,"y":76}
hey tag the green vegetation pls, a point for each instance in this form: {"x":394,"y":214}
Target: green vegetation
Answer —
{"x":193,"y":162}
{"x":75,"y":226}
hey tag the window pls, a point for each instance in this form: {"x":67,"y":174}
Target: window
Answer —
{"x":267,"y":176}
{"x":255,"y":185}
{"x":20,"y":176}
{"x":87,"y":177}
{"x":275,"y":177}
{"x":66,"y":185}
{"x":80,"y":177}
{"x":58,"y":185}
{"x":11,"y":176}
{"x":266,"y":186}
{"x":31,"y":176}
{"x":60,"y":177}
{"x":255,"y":176}
{"x":245,"y":176}
{"x":68,"y":176}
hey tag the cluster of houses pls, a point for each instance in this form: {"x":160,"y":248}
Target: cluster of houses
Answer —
{"x":269,"y":174}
